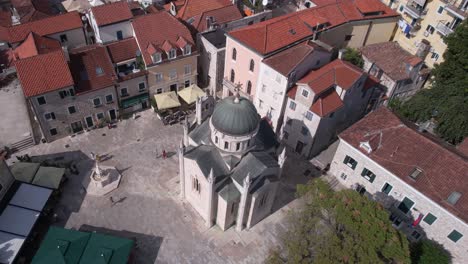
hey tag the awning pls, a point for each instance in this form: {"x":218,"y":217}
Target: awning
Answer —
{"x":134,"y":100}
{"x":17,"y":220}
{"x":113,"y":249}
{"x":167,"y":100}
{"x":191,"y":93}
{"x":49,"y":177}
{"x":24,"y":171}
{"x":10,"y":245}
{"x":31,"y":197}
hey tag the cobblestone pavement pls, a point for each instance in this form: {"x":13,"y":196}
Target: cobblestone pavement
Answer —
{"x":149,"y":209}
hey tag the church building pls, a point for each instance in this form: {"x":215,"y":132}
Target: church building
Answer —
{"x":229,"y":170}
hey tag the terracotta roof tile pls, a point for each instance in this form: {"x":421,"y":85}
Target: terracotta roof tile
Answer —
{"x":220,"y":15}
{"x":402,"y":149}
{"x":327,"y":103}
{"x":391,"y":58}
{"x":292,"y":92}
{"x":123,"y":50}
{"x":34,"y":45}
{"x":274,"y":34}
{"x":155,"y":29}
{"x":190,"y":8}
{"x":111,"y":13}
{"x":285,"y":61}
{"x":43,"y":27}
{"x":463,"y":147}
{"x":368,"y":6}
{"x":44,"y":73}
{"x":92,"y":68}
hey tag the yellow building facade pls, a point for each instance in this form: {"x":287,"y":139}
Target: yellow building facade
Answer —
{"x":424,"y":23}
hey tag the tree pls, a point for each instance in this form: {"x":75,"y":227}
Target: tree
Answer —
{"x":429,"y":252}
{"x":340,"y":227}
{"x":447,"y":100}
{"x":353,"y":56}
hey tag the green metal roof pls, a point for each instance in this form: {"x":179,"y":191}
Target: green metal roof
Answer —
{"x":134,"y":100}
{"x":49,"y":177}
{"x":107,"y":249}
{"x":234,"y":118}
{"x":61,"y":246}
{"x":24,"y":171}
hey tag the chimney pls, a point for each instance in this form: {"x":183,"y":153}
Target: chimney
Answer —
{"x":341,"y":53}
{"x":15,"y":18}
{"x":65,"y":52}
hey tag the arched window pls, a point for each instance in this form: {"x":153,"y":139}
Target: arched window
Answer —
{"x":252,"y":65}
{"x":249,"y":87}
{"x":234,"y":54}
{"x":233,"y":76}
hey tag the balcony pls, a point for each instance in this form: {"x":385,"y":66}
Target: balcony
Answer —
{"x":414,"y":10}
{"x":235,"y":87}
{"x":128,"y":71}
{"x":443,"y":29}
{"x":457,"y":10}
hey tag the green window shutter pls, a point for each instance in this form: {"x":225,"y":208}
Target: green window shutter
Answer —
{"x":455,"y":236}
{"x":430,"y":218}
{"x":354,"y":165}
{"x":346,"y":160}
{"x":406,"y":205}
{"x":364,"y":172}
{"x":387,"y":188}
{"x":372,"y":178}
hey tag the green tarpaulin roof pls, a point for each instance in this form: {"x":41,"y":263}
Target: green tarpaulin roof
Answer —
{"x":74,"y":247}
{"x":24,"y":171}
{"x":49,"y":177}
{"x":134,"y":100}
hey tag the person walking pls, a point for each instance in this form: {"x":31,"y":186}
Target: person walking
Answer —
{"x":164,"y":154}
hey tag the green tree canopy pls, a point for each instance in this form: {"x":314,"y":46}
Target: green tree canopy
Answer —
{"x":353,"y":56}
{"x":447,"y":100}
{"x":340,"y":227}
{"x":429,"y":252}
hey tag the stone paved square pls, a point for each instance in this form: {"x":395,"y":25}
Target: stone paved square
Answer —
{"x":147,"y":204}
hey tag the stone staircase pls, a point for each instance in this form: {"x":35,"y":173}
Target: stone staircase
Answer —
{"x":22,"y":144}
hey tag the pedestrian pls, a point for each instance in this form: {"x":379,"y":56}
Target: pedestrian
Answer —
{"x":164,"y":154}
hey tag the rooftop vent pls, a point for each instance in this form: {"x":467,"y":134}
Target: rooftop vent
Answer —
{"x":415,"y":174}
{"x":292,"y":31}
{"x":453,"y":198}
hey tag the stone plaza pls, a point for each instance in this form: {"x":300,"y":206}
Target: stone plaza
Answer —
{"x":147,"y":205}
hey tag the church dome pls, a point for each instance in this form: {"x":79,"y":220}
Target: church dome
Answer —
{"x":235,"y":116}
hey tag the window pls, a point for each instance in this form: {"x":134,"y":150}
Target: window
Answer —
{"x":159,"y":77}
{"x":343,"y":176}
{"x":288,"y":121}
{"x":430,"y":219}
{"x":159,"y":90}
{"x":292,"y":105}
{"x":97,"y":102}
{"x":53,"y":131}
{"x":455,"y":235}
{"x":332,"y":114}
{"x":188,"y":69}
{"x":156,"y":57}
{"x":109,"y":98}
{"x":401,"y":8}
{"x":285,"y":135}
{"x":416,"y":172}
{"x":263,"y":200}
{"x":71,"y":109}
{"x":453,"y":198}
{"x":123,"y":92}
{"x":99,"y":71}
{"x":41,"y":100}
{"x":173,"y":74}
{"x":172,"y":54}
{"x":305,"y":93}
{"x":196,"y":185}
{"x":387,"y":188}
{"x":416,"y":235}
{"x":237,"y":146}
{"x":348,"y":37}
{"x":260,"y":104}
{"x":119,"y":35}
{"x":216,"y":139}
{"x":187,"y":83}
{"x":234,"y":54}
{"x":226,"y":145}
{"x":251,"y":65}
{"x":352,"y":163}
{"x":141,"y":86}
{"x":233,"y":205}
{"x":100,"y":116}
{"x":368,"y":175}
{"x":63,"y":38}
{"x":263,"y":88}
{"x":440,"y":9}
{"x":187,"y":50}
{"x":249,"y":87}
{"x":66,"y":93}
{"x":430,"y":29}
{"x":317,"y":62}
{"x":434,"y":56}
{"x":304,"y":131}
{"x":309,"y":115}
{"x":406,"y":205}
{"x":49,"y":116}
{"x":233,"y":76}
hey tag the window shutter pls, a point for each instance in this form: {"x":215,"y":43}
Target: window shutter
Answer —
{"x":354,"y":165}
{"x":372,"y":178}
{"x":364,"y":172}
{"x":52,"y":115}
{"x":346,"y":159}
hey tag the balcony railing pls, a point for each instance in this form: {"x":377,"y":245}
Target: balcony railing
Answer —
{"x":233,"y":88}
{"x":414,"y":11}
{"x":443,"y":29}
{"x":458,"y":10}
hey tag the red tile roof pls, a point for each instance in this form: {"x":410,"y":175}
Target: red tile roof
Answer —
{"x":86,"y":62}
{"x":44,"y":73}
{"x":402,"y":149}
{"x":337,"y":72}
{"x":369,"y":6}
{"x":111,"y":13}
{"x":274,"y":34}
{"x":220,"y":15}
{"x":327,"y":103}
{"x":5,"y":18}
{"x":34,"y":45}
{"x":391,"y":58}
{"x":463,"y":147}
{"x":292,"y":92}
{"x":43,"y":27}
{"x":123,"y":50}
{"x":285,"y":61}
{"x":153,"y":30}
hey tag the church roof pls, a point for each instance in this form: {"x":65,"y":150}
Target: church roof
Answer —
{"x":229,"y":193}
{"x":254,"y":163}
{"x":207,"y":157}
{"x":235,"y":118}
{"x":201,"y":134}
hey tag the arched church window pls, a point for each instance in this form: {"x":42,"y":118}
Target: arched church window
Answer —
{"x":249,"y":87}
{"x":216,"y":139}
{"x":233,"y":76}
{"x":234,"y":54}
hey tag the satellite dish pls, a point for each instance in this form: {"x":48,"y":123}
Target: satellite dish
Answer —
{"x":265,"y":2}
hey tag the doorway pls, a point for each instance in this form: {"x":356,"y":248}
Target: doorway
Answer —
{"x":112,"y":115}
{"x":173,"y":87}
{"x":299,"y":147}
{"x":76,"y":127}
{"x":144,"y":104}
{"x":89,"y":122}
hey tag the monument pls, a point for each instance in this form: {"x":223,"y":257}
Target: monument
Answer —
{"x":103,"y":179}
